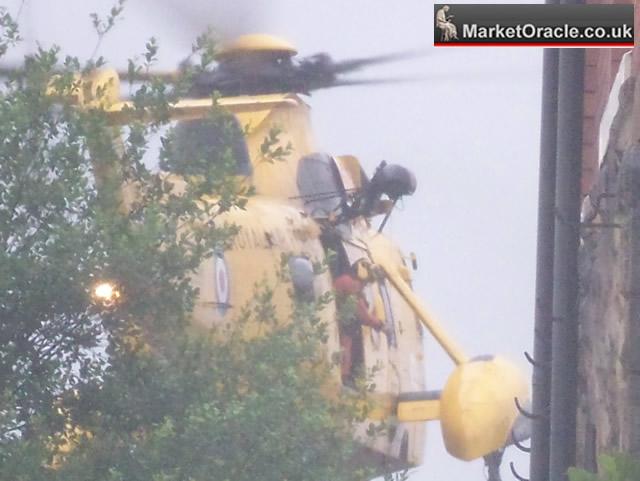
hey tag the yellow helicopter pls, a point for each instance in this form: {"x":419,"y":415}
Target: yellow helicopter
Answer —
{"x":313,"y":206}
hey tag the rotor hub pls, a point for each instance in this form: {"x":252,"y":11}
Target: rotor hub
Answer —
{"x":256,"y":43}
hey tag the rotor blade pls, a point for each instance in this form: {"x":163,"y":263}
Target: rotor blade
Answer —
{"x":378,"y":81}
{"x":5,"y":71}
{"x":168,"y":76}
{"x":8,"y":69}
{"x":358,"y":63}
{"x":165,"y":76}
{"x":471,"y":76}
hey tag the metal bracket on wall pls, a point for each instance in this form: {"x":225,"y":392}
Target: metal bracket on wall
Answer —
{"x":515,"y":473}
{"x":519,"y":445}
{"x":526,"y":413}
{"x":534,"y":363}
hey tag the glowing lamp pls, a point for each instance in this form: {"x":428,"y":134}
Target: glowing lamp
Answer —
{"x":106,"y":293}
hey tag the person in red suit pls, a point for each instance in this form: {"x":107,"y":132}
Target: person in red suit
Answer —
{"x":353,"y":312}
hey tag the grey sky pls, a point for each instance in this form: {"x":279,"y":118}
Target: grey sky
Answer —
{"x":470,"y":135}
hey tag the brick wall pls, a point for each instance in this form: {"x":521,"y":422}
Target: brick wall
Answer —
{"x":601,"y":66}
{"x":609,"y":301}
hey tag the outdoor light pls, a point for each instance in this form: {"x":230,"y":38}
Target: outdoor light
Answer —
{"x":106,"y":293}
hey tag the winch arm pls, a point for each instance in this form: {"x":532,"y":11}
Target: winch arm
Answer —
{"x":437,"y":331}
{"x":476,"y":407}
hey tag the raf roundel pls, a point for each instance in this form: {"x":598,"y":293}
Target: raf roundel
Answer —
{"x":222,"y":284}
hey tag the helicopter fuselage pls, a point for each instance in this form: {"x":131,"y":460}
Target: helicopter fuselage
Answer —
{"x":276,"y":222}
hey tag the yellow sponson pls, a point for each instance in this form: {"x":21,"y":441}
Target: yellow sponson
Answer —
{"x":477,"y":407}
{"x":256,"y":43}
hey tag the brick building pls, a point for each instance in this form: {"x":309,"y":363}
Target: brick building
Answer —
{"x":608,"y":400}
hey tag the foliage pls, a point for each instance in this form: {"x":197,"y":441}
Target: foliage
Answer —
{"x":272,"y":149}
{"x":399,"y":476}
{"x":618,"y":467}
{"x":63,"y":227}
{"x":207,"y":409}
{"x":126,"y":391}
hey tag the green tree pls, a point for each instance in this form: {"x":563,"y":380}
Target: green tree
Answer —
{"x":122,"y":391}
{"x":619,"y":467}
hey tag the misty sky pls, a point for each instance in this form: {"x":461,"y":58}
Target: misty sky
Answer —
{"x":469,"y":131}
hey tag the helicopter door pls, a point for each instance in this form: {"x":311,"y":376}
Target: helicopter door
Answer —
{"x":378,"y":295}
{"x":351,"y":174}
{"x":351,"y":345}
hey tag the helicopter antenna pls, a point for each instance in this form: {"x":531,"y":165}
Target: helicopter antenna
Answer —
{"x":20,"y":10}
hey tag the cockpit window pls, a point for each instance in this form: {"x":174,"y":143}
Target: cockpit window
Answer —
{"x":319,"y":184}
{"x":193,"y":147}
